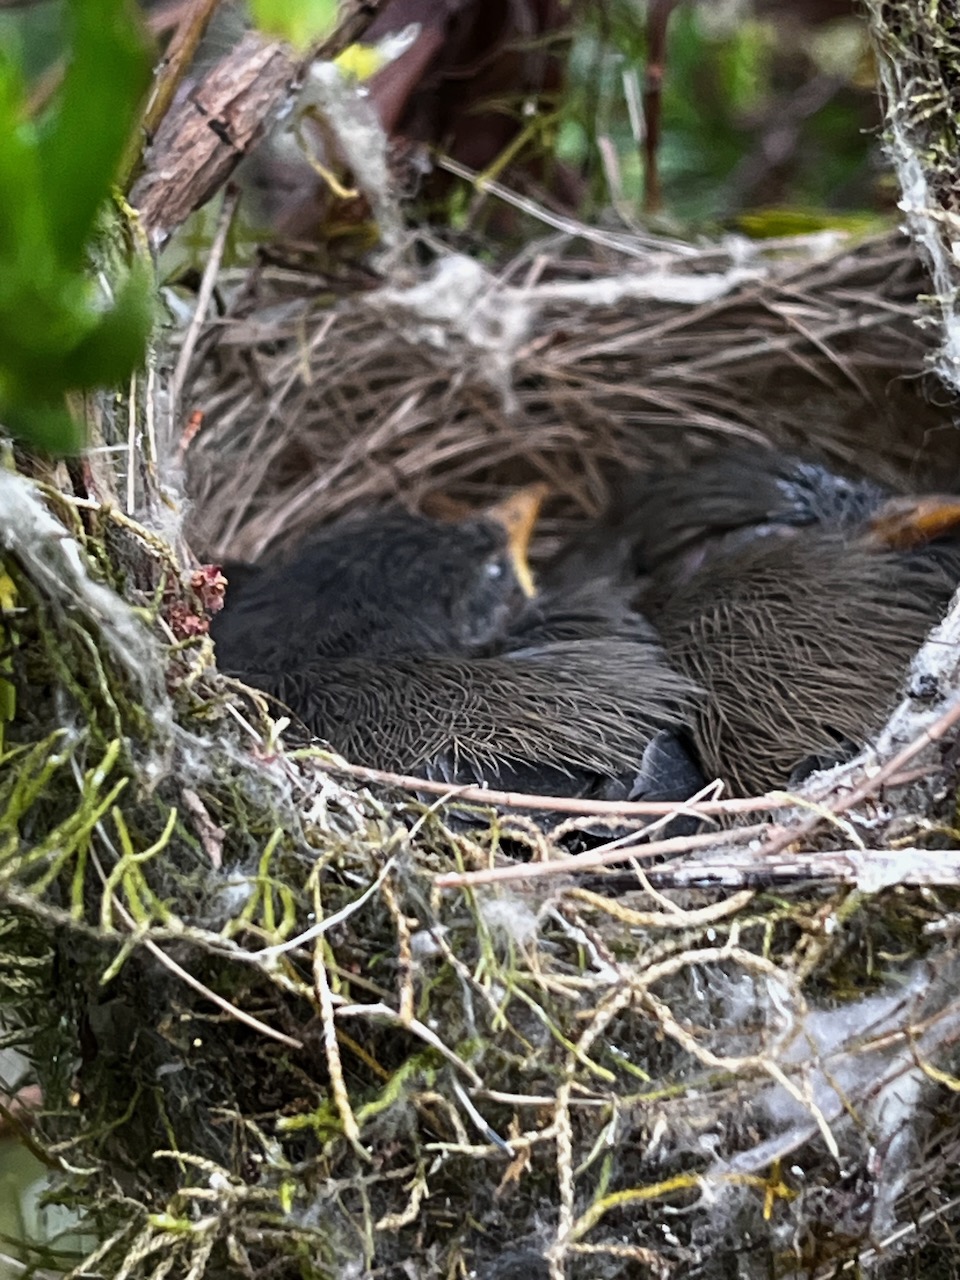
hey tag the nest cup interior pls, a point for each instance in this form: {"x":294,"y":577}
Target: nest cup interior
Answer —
{"x":311,"y":413}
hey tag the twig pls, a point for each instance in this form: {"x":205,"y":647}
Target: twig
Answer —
{"x":416,"y":1027}
{"x":179,"y":54}
{"x":675,"y":919}
{"x":869,"y":785}
{"x":658,"y":18}
{"x":631,"y":246}
{"x":830,"y":806}
{"x":233,"y":1010}
{"x":202,"y":138}
{"x":870,"y":870}
{"x":207,"y":285}
{"x":558,"y":804}
{"x":180,"y":51}
{"x":331,"y":1047}
{"x":589,"y":861}
{"x":328,"y":922}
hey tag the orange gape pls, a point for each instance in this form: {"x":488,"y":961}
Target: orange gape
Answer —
{"x":902,"y":523}
{"x":518,"y":514}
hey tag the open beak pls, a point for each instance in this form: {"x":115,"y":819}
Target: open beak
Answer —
{"x":904,"y":523}
{"x":518,"y":515}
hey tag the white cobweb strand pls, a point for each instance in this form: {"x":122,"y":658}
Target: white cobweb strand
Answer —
{"x":929,"y":224}
{"x":929,"y":227}
{"x":55,"y":562}
{"x":861,"y":1059}
{"x":461,"y":302}
{"x":346,"y":110}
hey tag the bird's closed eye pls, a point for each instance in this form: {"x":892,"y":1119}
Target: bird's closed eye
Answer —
{"x":494,"y":569}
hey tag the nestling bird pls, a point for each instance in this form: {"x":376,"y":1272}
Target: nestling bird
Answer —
{"x":420,"y":646}
{"x":795,"y":597}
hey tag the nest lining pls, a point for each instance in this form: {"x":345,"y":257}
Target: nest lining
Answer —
{"x":310,"y":412}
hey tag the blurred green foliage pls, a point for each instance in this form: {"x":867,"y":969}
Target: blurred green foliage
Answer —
{"x":61,"y":328}
{"x":757,"y":113}
{"x":33,"y":37}
{"x":300,"y":22}
{"x":770,"y":124}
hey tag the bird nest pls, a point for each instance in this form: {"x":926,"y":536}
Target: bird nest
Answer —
{"x":292,"y":1017}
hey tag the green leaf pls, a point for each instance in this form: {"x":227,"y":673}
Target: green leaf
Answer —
{"x":82,"y":142}
{"x":300,"y":22}
{"x":22,"y":218}
{"x":116,"y":344}
{"x":60,"y":329}
{"x":42,"y":319}
{"x":46,"y":427}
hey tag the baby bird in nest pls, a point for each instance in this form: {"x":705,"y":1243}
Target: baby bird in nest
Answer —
{"x":421,"y":646}
{"x":795,"y":597}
